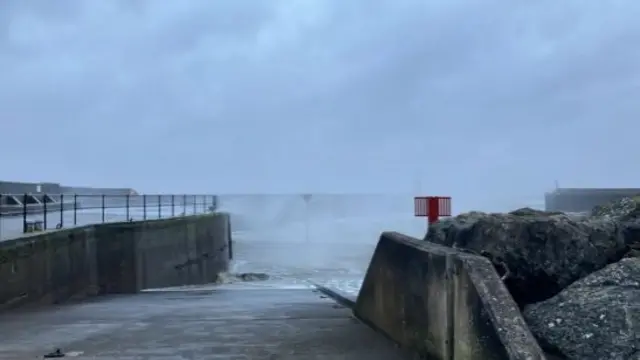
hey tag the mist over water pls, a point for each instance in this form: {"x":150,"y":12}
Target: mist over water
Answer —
{"x":328,"y":239}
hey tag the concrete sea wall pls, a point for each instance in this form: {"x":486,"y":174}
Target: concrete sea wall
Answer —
{"x":584,"y":199}
{"x":441,"y":303}
{"x":13,"y":196}
{"x":115,"y":258}
{"x":14,"y":187}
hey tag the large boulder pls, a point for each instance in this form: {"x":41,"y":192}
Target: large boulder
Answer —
{"x":595,"y":318}
{"x":625,"y":211}
{"x":538,"y":253}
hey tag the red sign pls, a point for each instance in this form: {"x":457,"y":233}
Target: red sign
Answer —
{"x":432,"y":207}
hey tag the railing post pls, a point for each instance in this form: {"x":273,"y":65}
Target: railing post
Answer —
{"x":61,"y":210}
{"x":159,"y":206}
{"x":24,"y":213}
{"x":184,"y":204}
{"x":0,"y":216}
{"x":173,"y":205}
{"x":103,"y":206}
{"x":195,"y":202}
{"x":230,"y":240}
{"x":75,"y":209}
{"x":44,"y":208}
{"x":127,"y":206}
{"x":144,"y":207}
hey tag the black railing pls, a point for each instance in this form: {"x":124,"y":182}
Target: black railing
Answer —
{"x":23,"y":213}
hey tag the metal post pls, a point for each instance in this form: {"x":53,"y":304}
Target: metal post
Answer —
{"x":434,"y":210}
{"x":103,"y":206}
{"x":144,"y":207}
{"x":173,"y":205}
{"x":230,"y":240}
{"x":75,"y":209}
{"x":61,"y":211}
{"x":0,"y":217}
{"x":184,"y":204}
{"x":204,"y":205}
{"x":127,"y":205}
{"x":44,"y":208}
{"x":24,"y":213}
{"x":195,"y":200}
{"x":159,"y":206}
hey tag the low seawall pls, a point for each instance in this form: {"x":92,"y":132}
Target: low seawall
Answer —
{"x":585,"y":199}
{"x":115,"y":258}
{"x":442,"y":303}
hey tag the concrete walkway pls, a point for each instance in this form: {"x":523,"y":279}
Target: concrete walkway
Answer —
{"x":235,"y":321}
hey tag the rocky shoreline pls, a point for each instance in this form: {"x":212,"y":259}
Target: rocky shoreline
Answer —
{"x":575,"y":277}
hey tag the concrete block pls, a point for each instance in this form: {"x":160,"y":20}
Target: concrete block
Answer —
{"x":442,"y":303}
{"x":115,"y":258}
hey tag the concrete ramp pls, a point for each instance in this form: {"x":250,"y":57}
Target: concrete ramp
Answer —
{"x":442,"y":303}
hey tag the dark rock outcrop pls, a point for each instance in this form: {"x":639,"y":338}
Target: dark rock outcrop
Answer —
{"x":626,"y":212}
{"x":538,"y":253}
{"x":597,"y":317}
{"x":577,"y":277}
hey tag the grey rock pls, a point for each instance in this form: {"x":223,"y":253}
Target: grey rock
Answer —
{"x":595,"y":318}
{"x":538,"y":253}
{"x":624,"y":209}
{"x":626,"y":212}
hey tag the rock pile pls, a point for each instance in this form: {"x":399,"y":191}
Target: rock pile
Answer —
{"x":575,"y":277}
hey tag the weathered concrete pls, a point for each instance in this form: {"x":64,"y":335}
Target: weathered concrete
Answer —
{"x":14,"y":187}
{"x":53,"y":267}
{"x":584,"y":199}
{"x":237,"y":321}
{"x":442,"y":303}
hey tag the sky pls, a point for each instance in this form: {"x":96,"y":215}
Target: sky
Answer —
{"x":485,"y":101}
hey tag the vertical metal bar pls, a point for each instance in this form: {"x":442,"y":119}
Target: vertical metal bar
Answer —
{"x":144,"y":207}
{"x":44,"y":208}
{"x":24,"y":213}
{"x":184,"y":204}
{"x":204,"y":201}
{"x":61,"y":211}
{"x":0,"y":216}
{"x":195,"y":200}
{"x":127,"y":206}
{"x":103,"y":206}
{"x":434,"y":209}
{"x":75,"y":209}
{"x":159,"y":206}
{"x":230,"y":240}
{"x":173,"y":205}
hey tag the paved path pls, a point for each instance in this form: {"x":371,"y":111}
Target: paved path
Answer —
{"x":281,"y":318}
{"x":236,"y":321}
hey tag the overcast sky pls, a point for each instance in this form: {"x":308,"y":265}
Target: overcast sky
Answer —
{"x":480,"y":100}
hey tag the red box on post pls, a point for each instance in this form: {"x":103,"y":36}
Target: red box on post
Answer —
{"x":432,"y":207}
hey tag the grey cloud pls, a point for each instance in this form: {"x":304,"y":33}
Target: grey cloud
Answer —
{"x":487,"y":101}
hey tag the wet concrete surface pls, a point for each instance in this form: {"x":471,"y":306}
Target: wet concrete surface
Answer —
{"x":235,"y":321}
{"x":281,"y":318}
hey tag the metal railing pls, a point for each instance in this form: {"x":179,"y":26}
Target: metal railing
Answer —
{"x":24,"y":213}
